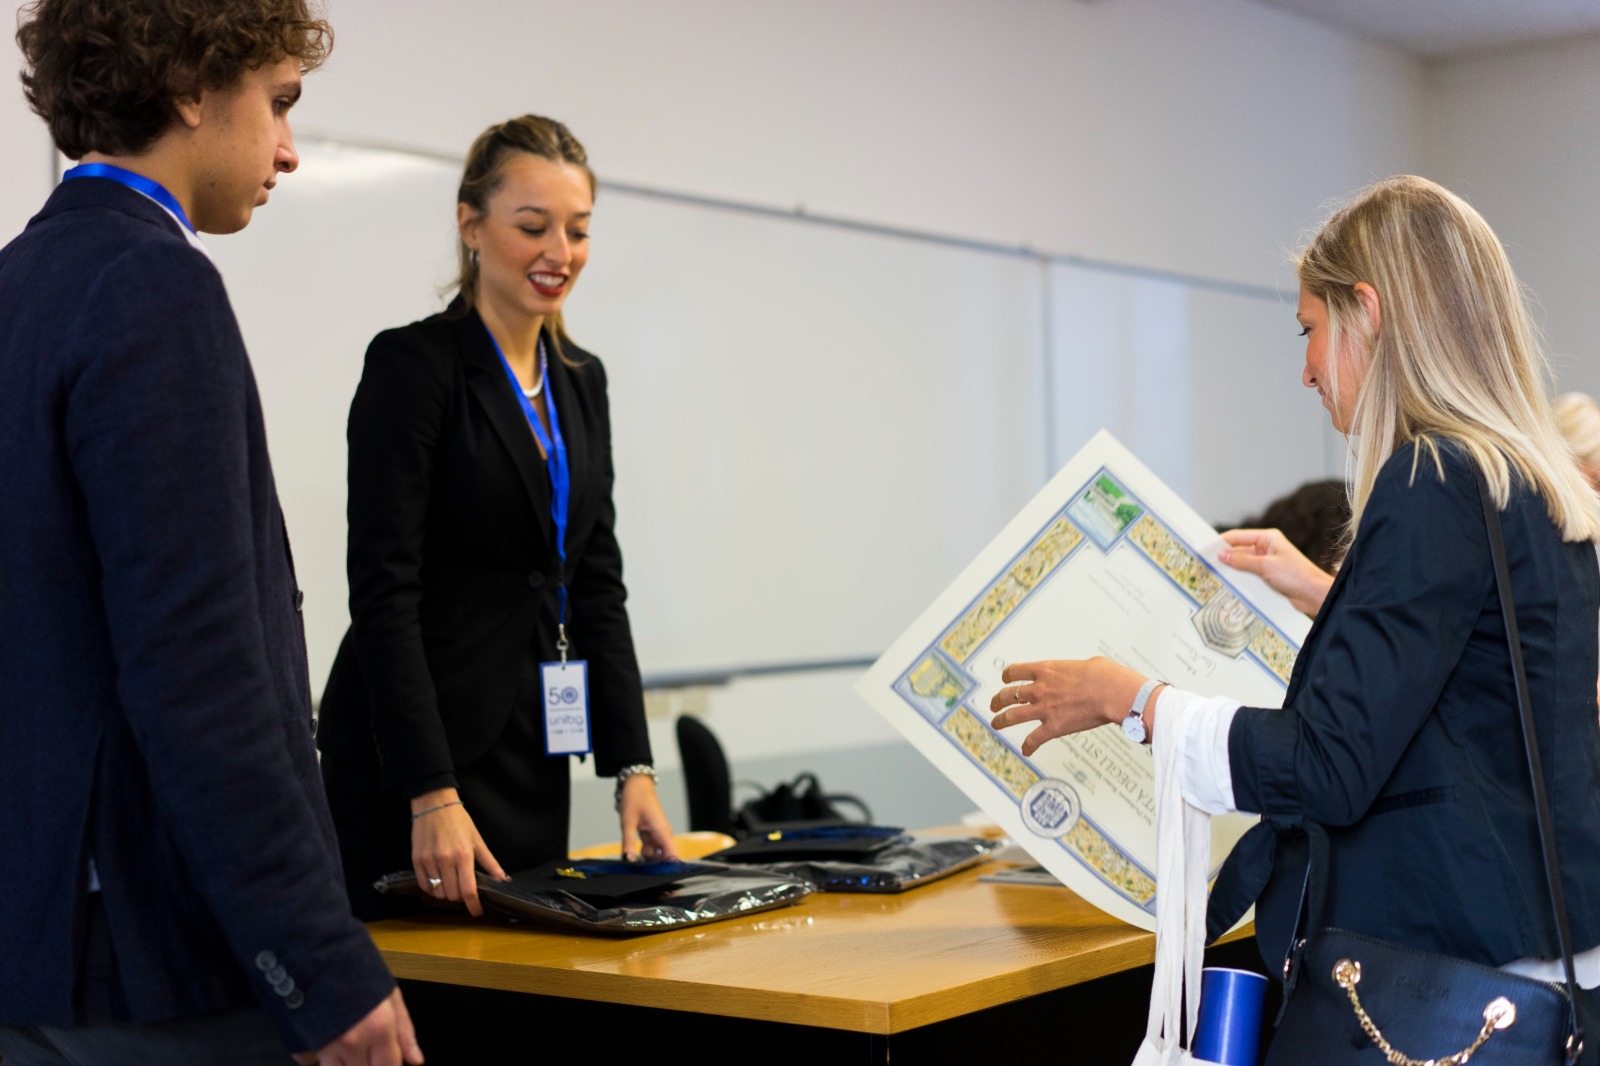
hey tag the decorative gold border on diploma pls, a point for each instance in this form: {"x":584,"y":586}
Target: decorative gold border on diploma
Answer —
{"x":1043,"y":555}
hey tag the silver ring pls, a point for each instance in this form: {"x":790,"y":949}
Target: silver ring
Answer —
{"x":1018,"y":693}
{"x":435,"y":882}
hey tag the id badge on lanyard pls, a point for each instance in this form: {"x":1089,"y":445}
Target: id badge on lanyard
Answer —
{"x":563,"y":685}
{"x":565,"y":688}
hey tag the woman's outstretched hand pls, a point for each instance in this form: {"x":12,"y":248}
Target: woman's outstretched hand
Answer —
{"x":646,"y":833}
{"x":1066,"y":696}
{"x":1268,"y":554}
{"x":445,"y":848}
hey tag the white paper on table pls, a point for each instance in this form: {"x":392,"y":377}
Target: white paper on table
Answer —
{"x":1105,"y":560}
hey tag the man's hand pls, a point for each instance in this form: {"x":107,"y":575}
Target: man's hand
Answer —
{"x":383,"y":1038}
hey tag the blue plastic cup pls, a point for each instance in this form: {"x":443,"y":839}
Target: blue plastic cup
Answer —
{"x":1229,"y":1029}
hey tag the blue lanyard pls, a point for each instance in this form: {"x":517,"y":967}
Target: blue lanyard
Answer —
{"x":555,"y":451}
{"x":138,"y":182}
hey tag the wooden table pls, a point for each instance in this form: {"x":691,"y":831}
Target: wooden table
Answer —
{"x":878,"y":965}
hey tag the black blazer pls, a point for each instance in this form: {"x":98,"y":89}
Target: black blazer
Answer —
{"x":1399,"y":757}
{"x":453,"y":564}
{"x":155,"y":713}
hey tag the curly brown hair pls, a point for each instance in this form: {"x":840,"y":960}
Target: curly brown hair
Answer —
{"x":1313,"y":517}
{"x":104,"y":73}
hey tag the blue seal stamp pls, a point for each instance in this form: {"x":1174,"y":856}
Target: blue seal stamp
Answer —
{"x":1050,"y":808}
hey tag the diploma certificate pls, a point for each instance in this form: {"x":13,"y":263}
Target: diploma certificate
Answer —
{"x":1105,"y":560}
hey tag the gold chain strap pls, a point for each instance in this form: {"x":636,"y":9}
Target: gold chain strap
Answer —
{"x":1499,"y":1014}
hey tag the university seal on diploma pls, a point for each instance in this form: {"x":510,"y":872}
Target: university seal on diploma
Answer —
{"x":1105,"y":560}
{"x":1050,"y":808}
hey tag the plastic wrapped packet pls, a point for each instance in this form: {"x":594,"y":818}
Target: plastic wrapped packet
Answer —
{"x":903,"y":863}
{"x":572,"y":894}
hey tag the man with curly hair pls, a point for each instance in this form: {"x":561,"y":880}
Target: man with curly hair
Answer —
{"x":173,"y":890}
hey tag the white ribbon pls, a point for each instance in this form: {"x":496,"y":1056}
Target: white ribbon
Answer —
{"x":1183,"y":858}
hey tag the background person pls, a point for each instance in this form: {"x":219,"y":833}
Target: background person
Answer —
{"x":432,"y":724}
{"x":1579,"y":418}
{"x":1398,"y":745}
{"x":1313,"y":518}
{"x":1296,"y":543}
{"x":175,"y":893}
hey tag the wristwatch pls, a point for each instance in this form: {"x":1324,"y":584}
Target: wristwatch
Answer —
{"x":1133,"y":725}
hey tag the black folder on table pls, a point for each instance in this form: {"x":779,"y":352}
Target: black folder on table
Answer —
{"x":622,"y":898}
{"x":828,"y":841}
{"x":857,"y":858}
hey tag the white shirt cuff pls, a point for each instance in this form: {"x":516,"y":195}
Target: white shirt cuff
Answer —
{"x":1202,"y":725}
{"x":1585,"y":967}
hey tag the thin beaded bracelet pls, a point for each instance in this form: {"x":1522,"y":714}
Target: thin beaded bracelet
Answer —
{"x":430,"y":810}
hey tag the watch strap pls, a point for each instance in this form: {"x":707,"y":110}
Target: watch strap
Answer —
{"x":1136,"y":712}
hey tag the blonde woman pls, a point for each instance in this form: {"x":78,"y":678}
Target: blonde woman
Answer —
{"x":1579,"y":418}
{"x":1397,"y":756}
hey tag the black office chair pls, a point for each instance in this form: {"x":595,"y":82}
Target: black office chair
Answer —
{"x":706,"y":777}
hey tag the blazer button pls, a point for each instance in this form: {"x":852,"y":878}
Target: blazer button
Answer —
{"x":266,"y":961}
{"x":299,"y":599}
{"x":536,"y":580}
{"x":294,"y":999}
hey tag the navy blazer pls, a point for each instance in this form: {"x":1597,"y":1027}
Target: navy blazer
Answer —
{"x":453,"y":564}
{"x":1399,"y":759}
{"x":156,"y":713}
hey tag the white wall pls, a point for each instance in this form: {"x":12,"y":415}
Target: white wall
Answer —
{"x":1517,"y":133}
{"x":1197,"y":136}
{"x":26,"y":169}
{"x":1192,"y":135}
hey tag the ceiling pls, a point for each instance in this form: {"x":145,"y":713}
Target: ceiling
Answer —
{"x":1440,"y":28}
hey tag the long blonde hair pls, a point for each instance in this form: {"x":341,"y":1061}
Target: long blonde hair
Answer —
{"x":1456,"y":356}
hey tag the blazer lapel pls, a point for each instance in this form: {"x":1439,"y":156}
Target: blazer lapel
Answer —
{"x":486,"y":379}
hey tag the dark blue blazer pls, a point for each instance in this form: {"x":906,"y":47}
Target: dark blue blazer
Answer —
{"x":1398,"y":757}
{"x":155,"y":713}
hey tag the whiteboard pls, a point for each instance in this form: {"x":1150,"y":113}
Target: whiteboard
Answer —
{"x":812,"y":426}
{"x":1201,"y":381}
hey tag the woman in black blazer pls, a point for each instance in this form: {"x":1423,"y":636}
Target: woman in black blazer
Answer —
{"x":1394,"y":775}
{"x":462,"y":583}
